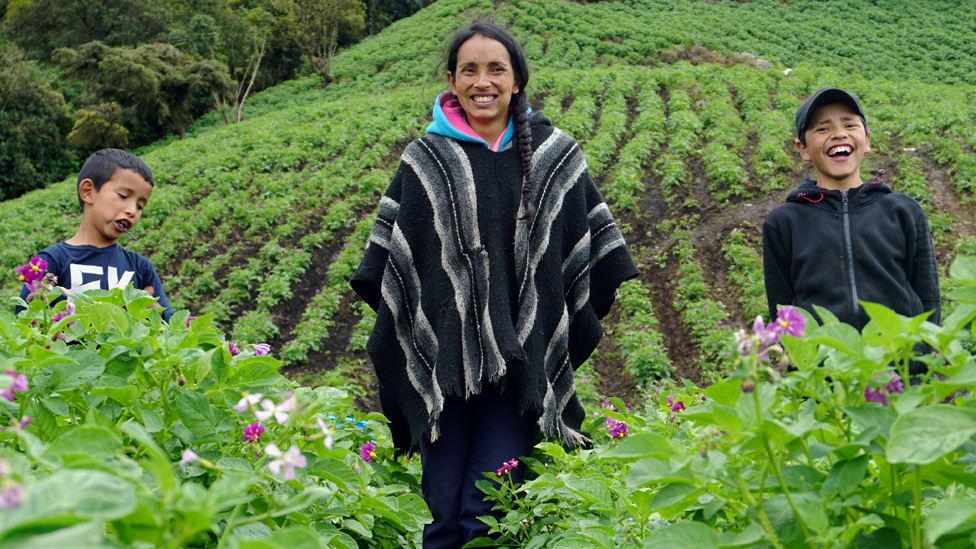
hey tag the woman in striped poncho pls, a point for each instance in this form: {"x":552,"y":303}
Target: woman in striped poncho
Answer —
{"x":491,"y":262}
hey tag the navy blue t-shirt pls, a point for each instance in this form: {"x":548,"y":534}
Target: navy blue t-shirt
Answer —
{"x":87,"y":267}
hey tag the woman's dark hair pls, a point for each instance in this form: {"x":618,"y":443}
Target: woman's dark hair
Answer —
{"x":519,"y":105}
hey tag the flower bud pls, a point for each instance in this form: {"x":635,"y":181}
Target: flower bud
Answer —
{"x":748,"y":385}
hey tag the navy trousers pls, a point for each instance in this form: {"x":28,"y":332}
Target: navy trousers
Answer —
{"x":477,"y":435}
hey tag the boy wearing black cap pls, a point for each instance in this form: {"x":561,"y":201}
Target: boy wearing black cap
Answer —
{"x":837,"y":240}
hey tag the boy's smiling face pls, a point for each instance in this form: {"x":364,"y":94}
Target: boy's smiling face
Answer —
{"x":836,"y":141}
{"x":116,"y":207}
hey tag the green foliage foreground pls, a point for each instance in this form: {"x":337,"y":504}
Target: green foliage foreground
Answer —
{"x":148,"y":434}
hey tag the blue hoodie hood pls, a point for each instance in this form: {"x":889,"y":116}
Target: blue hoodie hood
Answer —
{"x":449,"y":121}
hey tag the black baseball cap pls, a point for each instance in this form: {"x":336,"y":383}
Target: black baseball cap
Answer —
{"x":821,"y":97}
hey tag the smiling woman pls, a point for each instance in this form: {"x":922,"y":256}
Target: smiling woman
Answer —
{"x":489,"y":286}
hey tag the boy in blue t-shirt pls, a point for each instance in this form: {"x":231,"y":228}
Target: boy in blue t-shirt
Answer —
{"x":113,"y":188}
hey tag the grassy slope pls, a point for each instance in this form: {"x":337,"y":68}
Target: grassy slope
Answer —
{"x":260,"y":223}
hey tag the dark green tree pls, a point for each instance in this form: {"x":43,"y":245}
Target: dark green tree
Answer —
{"x":314,"y":25}
{"x":33,"y":122}
{"x":380,"y":13}
{"x":149,"y":79}
{"x":41,"y":26}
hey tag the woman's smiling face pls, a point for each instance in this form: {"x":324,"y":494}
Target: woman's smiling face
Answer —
{"x":484,"y":83}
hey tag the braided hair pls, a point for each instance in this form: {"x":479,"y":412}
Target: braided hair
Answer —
{"x":518,"y":106}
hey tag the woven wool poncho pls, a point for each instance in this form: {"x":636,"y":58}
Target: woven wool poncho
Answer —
{"x":465,"y":295}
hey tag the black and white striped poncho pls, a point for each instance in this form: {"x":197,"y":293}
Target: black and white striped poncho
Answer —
{"x":465,"y":295}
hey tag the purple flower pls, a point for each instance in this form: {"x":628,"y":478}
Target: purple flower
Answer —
{"x":288,"y":461}
{"x":875,"y":394}
{"x":678,"y":407}
{"x":32,"y":272}
{"x":189,"y":319}
{"x":261,"y":349}
{"x":895,"y":385}
{"x":10,"y":496}
{"x":368,"y":452}
{"x":253,"y":432}
{"x":189,"y":456}
{"x":608,"y":406}
{"x":19,"y":385}
{"x":616,"y":429}
{"x":788,"y":321}
{"x":233,"y":348}
{"x":507,"y":467}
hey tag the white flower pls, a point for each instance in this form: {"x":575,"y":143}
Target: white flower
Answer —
{"x":288,"y":461}
{"x":247,"y":401}
{"x":326,"y":432}
{"x":280,"y":411}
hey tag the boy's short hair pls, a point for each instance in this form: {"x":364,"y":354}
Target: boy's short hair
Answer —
{"x":821,"y":97}
{"x":101,"y":165}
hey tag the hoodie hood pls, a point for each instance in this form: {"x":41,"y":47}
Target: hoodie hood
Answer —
{"x":809,"y":193}
{"x":449,"y":121}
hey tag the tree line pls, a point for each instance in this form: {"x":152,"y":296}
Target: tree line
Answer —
{"x":78,"y":75}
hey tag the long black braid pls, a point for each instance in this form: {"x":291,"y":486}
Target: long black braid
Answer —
{"x":517,"y":110}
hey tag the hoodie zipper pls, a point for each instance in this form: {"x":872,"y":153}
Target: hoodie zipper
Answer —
{"x":850,"y":260}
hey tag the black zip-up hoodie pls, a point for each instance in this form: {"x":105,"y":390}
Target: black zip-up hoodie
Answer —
{"x":833,"y":249}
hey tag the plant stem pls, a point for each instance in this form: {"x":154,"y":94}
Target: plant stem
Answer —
{"x":775,"y":467}
{"x":917,"y":538}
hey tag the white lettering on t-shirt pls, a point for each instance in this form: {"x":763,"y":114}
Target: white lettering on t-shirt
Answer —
{"x":78,"y":272}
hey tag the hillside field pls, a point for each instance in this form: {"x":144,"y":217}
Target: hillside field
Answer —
{"x":685,"y":113}
{"x":121,"y":430}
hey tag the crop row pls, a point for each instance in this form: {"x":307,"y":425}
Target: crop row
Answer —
{"x":745,"y":273}
{"x":644,"y":354}
{"x":705,"y":317}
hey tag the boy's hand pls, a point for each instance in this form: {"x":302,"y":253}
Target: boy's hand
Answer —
{"x":152,"y":292}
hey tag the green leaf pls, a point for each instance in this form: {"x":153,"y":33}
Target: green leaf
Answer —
{"x":255,"y":373}
{"x":57,"y":406}
{"x":93,"y":440}
{"x":805,"y":423}
{"x":79,"y":492}
{"x":947,"y":515}
{"x":303,"y":499}
{"x":105,"y":317}
{"x":335,"y":538}
{"x":845,"y":476}
{"x":126,"y":396}
{"x":964,"y":268}
{"x":926,"y":434}
{"x":231,"y":489}
{"x":868,"y":416}
{"x":887,"y":321}
{"x":336,"y":472}
{"x":725,"y":392}
{"x":882,"y":538}
{"x":650,"y":470}
{"x":643,"y":444}
{"x":80,"y":368}
{"x":842,"y":337}
{"x":150,"y":419}
{"x":672,"y":494}
{"x":197,"y":414}
{"x":59,"y":531}
{"x":159,"y":463}
{"x":682,"y":535}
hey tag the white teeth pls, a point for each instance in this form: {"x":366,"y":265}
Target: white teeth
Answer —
{"x":840,"y":149}
{"x":482,"y":99}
